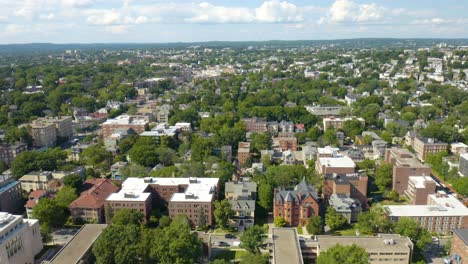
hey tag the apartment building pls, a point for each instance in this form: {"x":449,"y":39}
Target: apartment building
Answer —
{"x":296,"y":206}
{"x":243,"y":152}
{"x":183,"y":196}
{"x":21,"y":239}
{"x":8,"y":152}
{"x":286,"y":247}
{"x":241,"y":195}
{"x":43,"y":134}
{"x":458,"y":148}
{"x":11,"y":195}
{"x":255,"y":125}
{"x":352,"y":185}
{"x":426,"y":146}
{"x":46,"y":130}
{"x":459,"y":249}
{"x":324,"y":110}
{"x":337,"y":164}
{"x":33,"y":200}
{"x":419,"y":188}
{"x":463,"y":165}
{"x":139,"y":125}
{"x":442,"y":214}
{"x":89,"y":207}
{"x":36,"y":180}
{"x":287,"y":141}
{"x":337,"y":122}
{"x":405,"y":165}
{"x":327,"y":152}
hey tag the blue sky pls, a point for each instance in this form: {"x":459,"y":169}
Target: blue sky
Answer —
{"x":102,"y":21}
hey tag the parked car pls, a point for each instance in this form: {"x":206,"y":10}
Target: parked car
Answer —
{"x":230,"y":236}
{"x":223,"y":244}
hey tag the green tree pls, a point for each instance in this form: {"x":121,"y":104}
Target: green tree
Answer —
{"x":74,"y":181}
{"x":280,"y":222}
{"x":314,"y":226}
{"x":253,"y":239}
{"x":134,"y":170}
{"x":383,"y":176}
{"x":260,"y":141}
{"x":50,"y":213}
{"x":374,"y":221}
{"x":127,"y":216}
{"x":343,"y":254}
{"x":223,"y":212}
{"x":254,"y":259}
{"x":65,"y":196}
{"x":265,"y":196}
{"x":333,"y":219}
{"x":118,"y":244}
{"x":96,"y":156}
{"x":409,"y":227}
{"x":353,"y":127}
{"x":144,"y":152}
{"x":165,"y":221}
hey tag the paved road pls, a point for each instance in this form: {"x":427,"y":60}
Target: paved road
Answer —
{"x":62,"y":236}
{"x":216,"y":239}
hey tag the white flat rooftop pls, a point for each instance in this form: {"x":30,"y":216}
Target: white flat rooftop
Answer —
{"x":202,"y":191}
{"x":444,"y":206}
{"x":327,"y":150}
{"x":419,"y":180}
{"x":341,"y":162}
{"x":124,"y":120}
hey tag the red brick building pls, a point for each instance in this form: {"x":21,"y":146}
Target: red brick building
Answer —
{"x":460,"y":245}
{"x":287,"y":143}
{"x":243,"y":152}
{"x":89,"y":207}
{"x":296,"y":206}
{"x":255,"y":125}
{"x":353,"y":185}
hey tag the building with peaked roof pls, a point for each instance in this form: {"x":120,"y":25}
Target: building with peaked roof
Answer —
{"x":346,"y":206}
{"x":89,"y":207}
{"x":33,"y":199}
{"x":298,"y":205}
{"x":459,"y":248}
{"x":241,"y":195}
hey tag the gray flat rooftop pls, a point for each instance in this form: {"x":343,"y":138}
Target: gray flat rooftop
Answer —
{"x":286,"y":248}
{"x":74,"y":250}
{"x":370,"y":243}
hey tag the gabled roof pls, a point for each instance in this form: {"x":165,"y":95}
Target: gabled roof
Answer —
{"x":96,"y":196}
{"x":300,"y":192}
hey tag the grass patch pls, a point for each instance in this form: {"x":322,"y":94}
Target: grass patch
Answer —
{"x":350,"y":230}
{"x":300,"y":231}
{"x":390,"y":202}
{"x":229,"y":255}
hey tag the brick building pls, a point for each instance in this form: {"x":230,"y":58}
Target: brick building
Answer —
{"x":405,"y":165}
{"x":296,"y":206}
{"x":426,"y":146}
{"x":353,"y":185}
{"x":89,"y":207}
{"x":287,"y":142}
{"x":255,"y":125}
{"x":442,"y":214}
{"x":337,"y":164}
{"x":459,"y":249}
{"x":8,"y":152}
{"x":243,"y":152}
{"x":419,"y":187}
{"x":139,"y":125}
{"x":183,"y":196}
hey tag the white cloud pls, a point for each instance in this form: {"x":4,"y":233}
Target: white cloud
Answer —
{"x":208,"y":13}
{"x":49,"y":16}
{"x":272,"y":11}
{"x":113,"y":17}
{"x":78,"y":3}
{"x":349,"y":11}
{"x":439,"y":21}
{"x":276,"y":12}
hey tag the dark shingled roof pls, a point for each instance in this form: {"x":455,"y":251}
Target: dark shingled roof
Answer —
{"x":300,"y":192}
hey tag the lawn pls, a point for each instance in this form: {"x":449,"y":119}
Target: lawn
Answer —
{"x":229,"y":255}
{"x":300,"y":230}
{"x":350,"y":230}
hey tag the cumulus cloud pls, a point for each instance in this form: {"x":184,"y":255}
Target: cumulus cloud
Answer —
{"x":78,"y":3}
{"x":49,"y":16}
{"x":113,"y":17}
{"x":342,"y":11}
{"x":272,"y":11}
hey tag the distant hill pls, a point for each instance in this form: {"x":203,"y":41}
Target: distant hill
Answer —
{"x":340,"y":43}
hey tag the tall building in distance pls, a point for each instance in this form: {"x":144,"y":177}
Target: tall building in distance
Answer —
{"x":11,"y":195}
{"x":8,"y":152}
{"x":46,"y":130}
{"x":426,"y":146}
